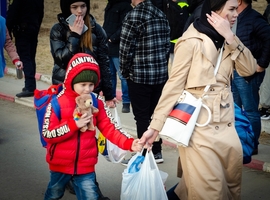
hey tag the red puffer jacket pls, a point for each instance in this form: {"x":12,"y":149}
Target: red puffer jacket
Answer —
{"x":70,"y":151}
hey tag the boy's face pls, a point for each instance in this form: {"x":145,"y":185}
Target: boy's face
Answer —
{"x":83,"y":87}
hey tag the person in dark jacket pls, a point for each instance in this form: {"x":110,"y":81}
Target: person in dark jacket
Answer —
{"x":65,"y":41}
{"x":24,"y":19}
{"x":115,"y":12}
{"x":7,"y":44}
{"x":72,"y":154}
{"x":194,"y":8}
{"x":144,"y":46}
{"x":254,"y":31}
{"x":266,"y":13}
{"x":265,"y":86}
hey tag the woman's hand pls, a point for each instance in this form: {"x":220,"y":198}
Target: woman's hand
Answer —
{"x":222,"y":26}
{"x":78,"y":25}
{"x":149,"y":137}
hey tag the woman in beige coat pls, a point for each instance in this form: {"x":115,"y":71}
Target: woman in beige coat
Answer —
{"x":212,"y":163}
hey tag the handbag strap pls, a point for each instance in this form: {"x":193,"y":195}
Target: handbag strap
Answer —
{"x":216,"y":68}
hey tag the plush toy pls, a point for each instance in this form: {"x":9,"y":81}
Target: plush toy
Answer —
{"x":85,"y":105}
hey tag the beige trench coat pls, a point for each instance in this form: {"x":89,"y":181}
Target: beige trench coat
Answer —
{"x":212,"y":163}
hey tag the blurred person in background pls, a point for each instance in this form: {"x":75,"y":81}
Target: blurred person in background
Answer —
{"x":265,"y":86}
{"x":254,"y":31}
{"x":7,"y":44}
{"x":67,"y":40}
{"x":144,"y":50}
{"x":115,"y":12}
{"x":24,"y":19}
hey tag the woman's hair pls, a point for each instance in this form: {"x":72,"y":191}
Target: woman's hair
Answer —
{"x":217,"y":4}
{"x":86,"y":39}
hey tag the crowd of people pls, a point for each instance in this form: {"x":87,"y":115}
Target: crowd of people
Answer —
{"x":134,"y":44}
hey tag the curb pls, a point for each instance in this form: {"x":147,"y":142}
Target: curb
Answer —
{"x":254,"y":164}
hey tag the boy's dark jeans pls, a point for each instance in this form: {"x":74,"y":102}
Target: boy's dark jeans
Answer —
{"x":171,"y":194}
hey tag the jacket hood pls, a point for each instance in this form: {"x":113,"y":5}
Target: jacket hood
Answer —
{"x":65,"y":6}
{"x":77,"y":64}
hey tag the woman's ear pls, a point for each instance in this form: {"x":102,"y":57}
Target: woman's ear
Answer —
{"x":239,"y":2}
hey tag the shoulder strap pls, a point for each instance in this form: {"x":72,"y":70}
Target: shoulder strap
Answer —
{"x":56,"y":106}
{"x":216,"y":67}
{"x":94,"y":98}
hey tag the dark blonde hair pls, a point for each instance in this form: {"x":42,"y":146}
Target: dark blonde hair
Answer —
{"x":86,"y":39}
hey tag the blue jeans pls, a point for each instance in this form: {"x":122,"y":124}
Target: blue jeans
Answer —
{"x":246,"y":95}
{"x":171,"y":194}
{"x":115,"y":69}
{"x":84,"y":185}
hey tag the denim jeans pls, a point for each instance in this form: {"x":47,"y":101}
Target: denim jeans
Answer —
{"x":115,"y":69}
{"x":171,"y":194}
{"x":84,"y":185}
{"x":246,"y":95}
{"x":144,"y":99}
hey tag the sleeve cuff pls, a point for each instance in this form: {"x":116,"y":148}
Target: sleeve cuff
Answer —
{"x":15,"y":60}
{"x":236,"y":48}
{"x":72,"y":125}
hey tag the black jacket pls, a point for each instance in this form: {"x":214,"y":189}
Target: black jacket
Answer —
{"x":254,"y":31}
{"x":115,"y":13}
{"x":25,"y":16}
{"x":65,"y":44}
{"x":195,"y":8}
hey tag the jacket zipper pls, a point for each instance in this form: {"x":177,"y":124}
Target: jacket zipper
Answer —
{"x":52,"y":149}
{"x":77,"y":152}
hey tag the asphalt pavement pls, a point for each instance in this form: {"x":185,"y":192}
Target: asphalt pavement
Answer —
{"x":10,"y":86}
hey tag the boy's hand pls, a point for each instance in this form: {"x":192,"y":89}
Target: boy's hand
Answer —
{"x":84,"y":119}
{"x":136,"y":146}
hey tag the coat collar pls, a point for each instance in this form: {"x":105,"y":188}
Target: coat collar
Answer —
{"x":208,"y":48}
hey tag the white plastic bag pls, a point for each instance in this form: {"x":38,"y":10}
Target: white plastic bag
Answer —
{"x":111,"y":151}
{"x":142,"y":180}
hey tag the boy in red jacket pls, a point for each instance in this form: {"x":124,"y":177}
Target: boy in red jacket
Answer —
{"x":71,"y":154}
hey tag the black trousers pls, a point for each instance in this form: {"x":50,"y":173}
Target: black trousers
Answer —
{"x":144,"y":99}
{"x":26,"y":45}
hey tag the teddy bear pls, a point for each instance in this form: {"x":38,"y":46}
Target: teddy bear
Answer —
{"x":85,"y":105}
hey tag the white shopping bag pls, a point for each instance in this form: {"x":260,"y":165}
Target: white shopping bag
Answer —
{"x":110,"y":151}
{"x":142,"y":179}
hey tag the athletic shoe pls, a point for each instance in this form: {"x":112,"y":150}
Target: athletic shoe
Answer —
{"x":158,"y":158}
{"x":266,"y":116}
{"x":125,"y":161}
{"x":263,"y":111}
